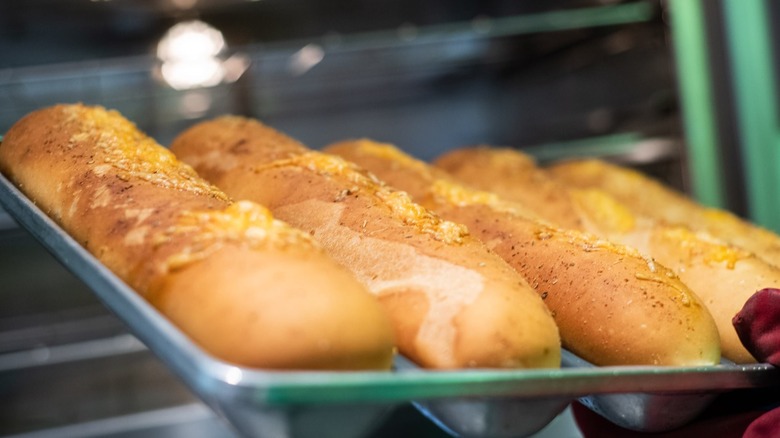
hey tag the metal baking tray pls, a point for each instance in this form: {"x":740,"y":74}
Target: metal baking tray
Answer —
{"x":472,"y":403}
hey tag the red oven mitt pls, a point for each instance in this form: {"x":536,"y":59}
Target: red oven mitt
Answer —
{"x":758,"y":325}
{"x":765,"y":426}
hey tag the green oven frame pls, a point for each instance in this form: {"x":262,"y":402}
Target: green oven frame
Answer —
{"x":749,"y":53}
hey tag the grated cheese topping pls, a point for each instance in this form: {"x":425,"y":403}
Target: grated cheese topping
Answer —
{"x":122,"y":149}
{"x":242,"y":222}
{"x":704,"y":246}
{"x":399,"y":202}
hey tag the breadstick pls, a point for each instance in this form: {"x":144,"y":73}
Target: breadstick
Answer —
{"x":247,"y":288}
{"x":612,"y":305}
{"x":722,"y":275}
{"x":454,"y":304}
{"x":664,"y":204}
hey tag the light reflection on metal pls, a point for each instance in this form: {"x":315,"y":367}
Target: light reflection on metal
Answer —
{"x":234,"y":67}
{"x":190,"y":40}
{"x":304,"y":59}
{"x":234,"y":375}
{"x":183,"y":75}
{"x":190,"y":54}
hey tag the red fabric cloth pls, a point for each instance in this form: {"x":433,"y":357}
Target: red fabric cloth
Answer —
{"x":765,"y":426}
{"x":758,"y":325}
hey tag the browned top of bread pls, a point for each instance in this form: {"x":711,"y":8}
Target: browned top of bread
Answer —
{"x":623,"y":183}
{"x":455,"y":304}
{"x":422,"y":181}
{"x":722,"y":275}
{"x":515,"y":176}
{"x":141,"y":235}
{"x":231,"y":142}
{"x":264,"y":145}
{"x":648,"y":197}
{"x":151,"y":220}
{"x":612,"y":305}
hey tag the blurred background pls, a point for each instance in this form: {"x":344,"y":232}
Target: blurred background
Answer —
{"x":427,"y":76}
{"x":684,"y":90}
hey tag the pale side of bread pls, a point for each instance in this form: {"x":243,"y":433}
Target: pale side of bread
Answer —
{"x":612,"y":305}
{"x":663,"y":203}
{"x":249,"y":289}
{"x":722,"y":275}
{"x":454,"y":304}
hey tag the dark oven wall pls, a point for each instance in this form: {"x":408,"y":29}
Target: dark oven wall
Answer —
{"x":428,"y":76}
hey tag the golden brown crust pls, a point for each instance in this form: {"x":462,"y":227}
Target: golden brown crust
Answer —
{"x":222,"y":272}
{"x":722,"y":275}
{"x":612,"y":305}
{"x":513,"y":176}
{"x":665,"y":204}
{"x":454,"y":304}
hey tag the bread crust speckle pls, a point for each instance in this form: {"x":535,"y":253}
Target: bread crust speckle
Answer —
{"x":454,"y":303}
{"x":613,"y":306}
{"x":217,"y":269}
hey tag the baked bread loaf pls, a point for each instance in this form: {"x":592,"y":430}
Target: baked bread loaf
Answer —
{"x":662,"y":203}
{"x":247,"y":288}
{"x":453,"y":303}
{"x":514,"y":176}
{"x":612,"y":305}
{"x":722,"y":275}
